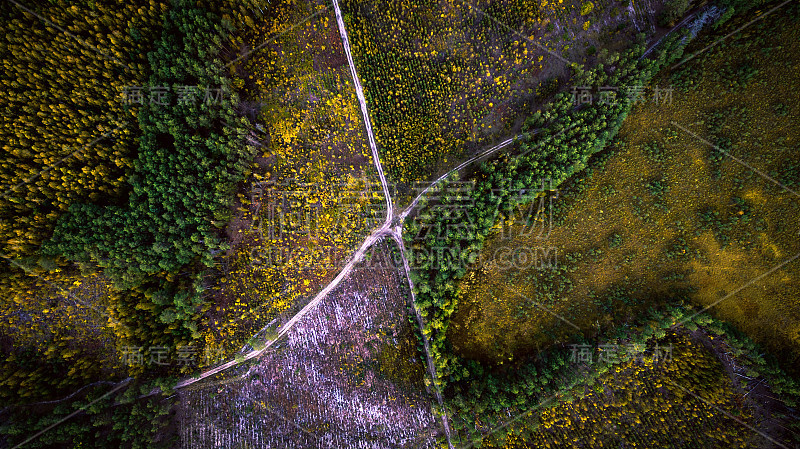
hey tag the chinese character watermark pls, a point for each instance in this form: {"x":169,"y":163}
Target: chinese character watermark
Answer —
{"x":184,"y":95}
{"x":612,"y":95}
{"x":609,"y":353}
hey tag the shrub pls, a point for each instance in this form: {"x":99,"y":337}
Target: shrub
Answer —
{"x":614,"y":240}
{"x":673,"y":10}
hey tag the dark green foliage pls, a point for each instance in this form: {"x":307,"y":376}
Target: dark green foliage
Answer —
{"x":482,"y":399}
{"x":657,"y":188}
{"x":679,"y":249}
{"x":109,"y":417}
{"x":789,"y":174}
{"x":614,"y":240}
{"x":760,"y":367}
{"x":736,"y":7}
{"x":639,"y":209}
{"x":607,"y":191}
{"x":558,"y":143}
{"x":484,"y":396}
{"x":710,"y":219}
{"x":737,"y":223}
{"x":560,"y":139}
{"x":655,"y":151}
{"x":685,"y":78}
{"x":190,"y":158}
{"x":672,"y":12}
{"x":721,"y":146}
{"x":738,"y":77}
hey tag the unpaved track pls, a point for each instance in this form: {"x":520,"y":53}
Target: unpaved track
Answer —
{"x":398,"y":237}
{"x":484,"y":153}
{"x":680,"y":24}
{"x":371,"y":240}
{"x":362,"y":101}
{"x":397,"y":232}
{"x":385,"y":230}
{"x":359,"y":254}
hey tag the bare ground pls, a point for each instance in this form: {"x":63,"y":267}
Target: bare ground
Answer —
{"x":330,"y":383}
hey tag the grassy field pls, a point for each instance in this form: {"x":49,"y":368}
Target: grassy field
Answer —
{"x":664,"y":217}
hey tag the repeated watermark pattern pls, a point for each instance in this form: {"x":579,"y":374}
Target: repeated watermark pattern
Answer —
{"x":166,"y":356}
{"x":287,"y":209}
{"x":612,"y":95}
{"x":159,"y":95}
{"x":184,"y":94}
{"x":502,"y":258}
{"x":606,"y":353}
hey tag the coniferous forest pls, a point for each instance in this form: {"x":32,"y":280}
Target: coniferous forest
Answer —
{"x":399,"y":224}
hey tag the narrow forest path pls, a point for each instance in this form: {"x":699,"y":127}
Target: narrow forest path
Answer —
{"x":374,"y":237}
{"x":385,"y":230}
{"x":677,"y":26}
{"x":363,"y":103}
{"x":397,"y":232}
{"x":482,"y":154}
